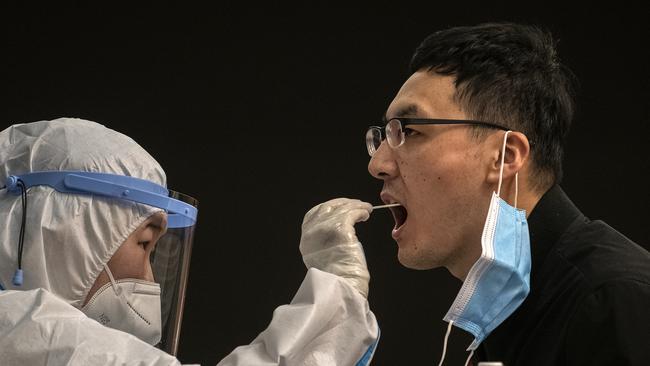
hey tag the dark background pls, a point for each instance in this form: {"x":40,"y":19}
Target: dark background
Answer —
{"x":290,"y":92}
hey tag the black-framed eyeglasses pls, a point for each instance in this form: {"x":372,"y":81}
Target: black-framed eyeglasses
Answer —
{"x":394,"y":131}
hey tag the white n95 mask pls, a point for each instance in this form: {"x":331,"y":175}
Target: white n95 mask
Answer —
{"x":129,"y":305}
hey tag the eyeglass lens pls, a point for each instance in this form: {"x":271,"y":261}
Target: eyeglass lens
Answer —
{"x":373,"y":140}
{"x":394,"y":135}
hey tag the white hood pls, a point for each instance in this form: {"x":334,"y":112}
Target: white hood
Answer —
{"x":68,"y":237}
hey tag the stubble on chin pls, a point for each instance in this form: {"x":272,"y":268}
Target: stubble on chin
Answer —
{"x":417,"y":257}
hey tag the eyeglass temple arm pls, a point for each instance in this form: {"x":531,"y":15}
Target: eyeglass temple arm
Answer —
{"x":427,"y":121}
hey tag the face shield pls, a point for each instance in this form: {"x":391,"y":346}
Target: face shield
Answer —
{"x":170,"y":259}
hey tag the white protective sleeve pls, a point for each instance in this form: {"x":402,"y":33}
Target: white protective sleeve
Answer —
{"x":327,"y":323}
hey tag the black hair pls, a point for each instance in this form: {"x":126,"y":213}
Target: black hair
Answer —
{"x":508,"y":74}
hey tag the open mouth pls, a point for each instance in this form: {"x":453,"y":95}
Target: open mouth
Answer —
{"x":399,"y":214}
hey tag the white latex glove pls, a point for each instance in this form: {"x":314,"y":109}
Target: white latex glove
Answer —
{"x":329,"y":242}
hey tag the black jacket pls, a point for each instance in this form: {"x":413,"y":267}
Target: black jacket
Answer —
{"x":589,"y":302}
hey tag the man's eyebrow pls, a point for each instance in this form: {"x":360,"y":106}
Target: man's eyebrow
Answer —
{"x":407,"y":110}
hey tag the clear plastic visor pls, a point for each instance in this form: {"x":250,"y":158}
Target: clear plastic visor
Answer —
{"x":170,"y":261}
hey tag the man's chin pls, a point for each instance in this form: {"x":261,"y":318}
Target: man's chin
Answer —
{"x":415,"y":260}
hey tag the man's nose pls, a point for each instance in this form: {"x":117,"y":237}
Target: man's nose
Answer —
{"x":382,"y":164}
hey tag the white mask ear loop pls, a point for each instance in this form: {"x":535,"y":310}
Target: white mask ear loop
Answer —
{"x":469,"y":358}
{"x":113,"y":283}
{"x":516,"y":187}
{"x":503,"y":160}
{"x":444,"y":346}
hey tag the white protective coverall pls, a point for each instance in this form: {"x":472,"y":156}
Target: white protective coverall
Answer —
{"x":69,"y":238}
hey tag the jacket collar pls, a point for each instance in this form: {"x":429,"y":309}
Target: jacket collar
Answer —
{"x":550,"y":218}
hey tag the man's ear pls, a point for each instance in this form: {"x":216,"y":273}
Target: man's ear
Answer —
{"x":516,"y":155}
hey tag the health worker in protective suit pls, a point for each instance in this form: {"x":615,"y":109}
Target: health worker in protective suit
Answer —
{"x":94,"y":256}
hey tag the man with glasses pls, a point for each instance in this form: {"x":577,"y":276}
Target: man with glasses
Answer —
{"x":471,"y":152}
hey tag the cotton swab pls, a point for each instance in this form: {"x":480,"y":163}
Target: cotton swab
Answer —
{"x":386,"y":206}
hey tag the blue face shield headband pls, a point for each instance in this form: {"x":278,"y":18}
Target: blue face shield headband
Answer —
{"x":179,"y":213}
{"x":170,"y":259}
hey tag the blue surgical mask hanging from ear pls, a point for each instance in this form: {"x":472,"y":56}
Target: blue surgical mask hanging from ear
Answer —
{"x":499,"y":281}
